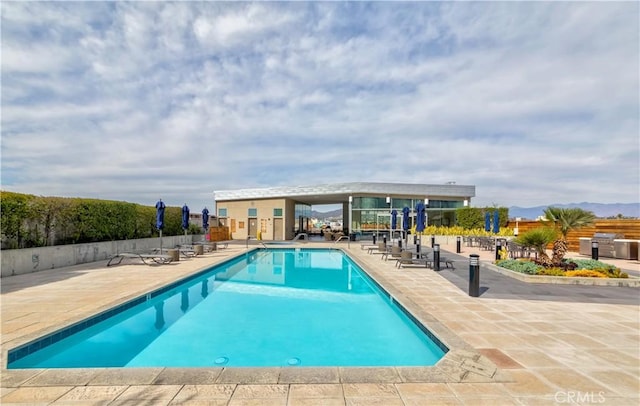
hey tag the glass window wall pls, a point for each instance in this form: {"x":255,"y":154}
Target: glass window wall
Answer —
{"x":399,"y":204}
{"x":303,"y":216}
{"x":303,"y":210}
{"x":370,"y":203}
{"x":371,"y":215}
{"x":441,"y":217}
{"x":445,"y":204}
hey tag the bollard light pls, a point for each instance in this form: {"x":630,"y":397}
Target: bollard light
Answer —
{"x":498,"y":249}
{"x":474,"y":275}
{"x":436,"y":257}
{"x":458,"y":244}
{"x":594,"y":250}
{"x":433,"y":241}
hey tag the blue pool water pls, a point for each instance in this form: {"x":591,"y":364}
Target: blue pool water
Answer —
{"x":274,"y":307}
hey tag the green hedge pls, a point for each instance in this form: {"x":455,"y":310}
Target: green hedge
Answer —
{"x":35,"y":221}
{"x":473,"y":217}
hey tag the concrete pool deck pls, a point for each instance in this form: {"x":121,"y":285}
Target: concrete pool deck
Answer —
{"x":550,"y":344}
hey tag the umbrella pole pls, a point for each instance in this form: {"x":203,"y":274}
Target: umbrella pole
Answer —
{"x":160,"y":241}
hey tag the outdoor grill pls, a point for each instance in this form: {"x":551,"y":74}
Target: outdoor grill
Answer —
{"x":605,"y":243}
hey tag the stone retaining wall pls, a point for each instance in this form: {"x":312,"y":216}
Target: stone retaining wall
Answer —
{"x":27,"y":260}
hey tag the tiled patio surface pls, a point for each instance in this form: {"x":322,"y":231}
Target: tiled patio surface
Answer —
{"x":550,"y":344}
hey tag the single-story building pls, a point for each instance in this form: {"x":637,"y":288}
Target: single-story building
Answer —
{"x":279,"y":213}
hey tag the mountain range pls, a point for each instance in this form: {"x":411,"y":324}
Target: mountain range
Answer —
{"x":601,"y":210}
{"x":333,"y":214}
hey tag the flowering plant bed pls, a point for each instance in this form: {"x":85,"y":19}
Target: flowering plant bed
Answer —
{"x":571,"y":268}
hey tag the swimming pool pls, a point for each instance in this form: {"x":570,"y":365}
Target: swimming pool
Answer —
{"x":270,"y":307}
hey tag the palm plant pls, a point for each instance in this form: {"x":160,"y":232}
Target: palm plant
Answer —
{"x":565,"y":220}
{"x":538,"y":239}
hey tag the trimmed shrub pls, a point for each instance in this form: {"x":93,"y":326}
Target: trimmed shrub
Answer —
{"x":522,"y":266}
{"x":608,"y":270}
{"x":588,"y":273}
{"x":612,"y":272}
{"x":590,"y":264}
{"x":551,"y":272}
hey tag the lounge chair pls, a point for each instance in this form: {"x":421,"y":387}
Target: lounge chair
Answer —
{"x":447,"y":262}
{"x":374,"y":248}
{"x":206,"y":245}
{"x":428,"y":252}
{"x":366,"y":246}
{"x":188,"y":250}
{"x":382,"y":249}
{"x":152,"y":258}
{"x":394,"y":253}
{"x":210,"y":246}
{"x":407,"y":258}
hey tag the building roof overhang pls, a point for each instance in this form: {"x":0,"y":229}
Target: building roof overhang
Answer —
{"x":339,"y":192}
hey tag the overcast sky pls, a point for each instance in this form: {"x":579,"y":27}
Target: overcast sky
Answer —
{"x":532,"y":102}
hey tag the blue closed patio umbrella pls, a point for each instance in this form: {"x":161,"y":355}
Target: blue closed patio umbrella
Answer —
{"x":496,"y":222}
{"x":205,"y":219}
{"x":185,"y":218}
{"x":420,"y":217}
{"x":405,"y":221}
{"x":487,"y":222}
{"x":394,"y":220}
{"x":405,"y":218}
{"x":160,"y":206}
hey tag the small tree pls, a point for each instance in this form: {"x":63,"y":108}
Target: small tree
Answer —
{"x":566,"y":220}
{"x":539,"y":238}
{"x":14,"y":210}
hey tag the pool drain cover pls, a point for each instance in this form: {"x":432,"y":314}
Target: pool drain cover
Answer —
{"x":293,"y":361}
{"x":221,"y":360}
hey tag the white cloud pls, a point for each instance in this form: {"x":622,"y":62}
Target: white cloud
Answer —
{"x":534,"y":103}
{"x":239,"y":24}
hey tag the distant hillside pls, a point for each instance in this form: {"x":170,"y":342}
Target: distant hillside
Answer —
{"x":324,"y":216}
{"x":601,"y":210}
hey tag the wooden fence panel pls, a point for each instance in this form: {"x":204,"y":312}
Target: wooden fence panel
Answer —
{"x":218,"y":233}
{"x":628,"y":228}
